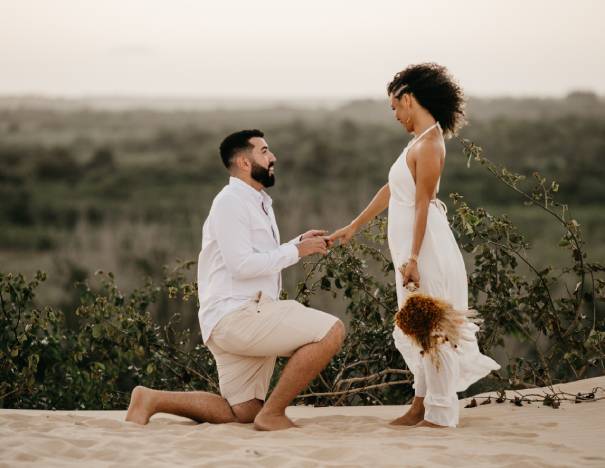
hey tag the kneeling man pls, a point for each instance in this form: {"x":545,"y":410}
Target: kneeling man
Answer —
{"x":243,"y":322}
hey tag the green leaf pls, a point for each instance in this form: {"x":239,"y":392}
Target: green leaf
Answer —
{"x":96,"y":331}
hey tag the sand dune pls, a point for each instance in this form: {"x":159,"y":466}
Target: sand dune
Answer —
{"x":500,"y":435}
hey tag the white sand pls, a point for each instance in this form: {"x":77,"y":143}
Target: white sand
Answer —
{"x":489,"y":435}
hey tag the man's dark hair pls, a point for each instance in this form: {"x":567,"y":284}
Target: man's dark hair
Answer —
{"x":236,"y":142}
{"x":435,"y":90}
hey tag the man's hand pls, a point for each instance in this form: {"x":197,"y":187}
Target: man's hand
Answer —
{"x":317,"y":233}
{"x":313,"y":233}
{"x":312,"y":245}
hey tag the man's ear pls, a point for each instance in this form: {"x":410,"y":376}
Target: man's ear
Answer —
{"x":240,"y":162}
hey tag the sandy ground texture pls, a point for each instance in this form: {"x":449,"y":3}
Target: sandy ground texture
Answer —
{"x":502,"y":435}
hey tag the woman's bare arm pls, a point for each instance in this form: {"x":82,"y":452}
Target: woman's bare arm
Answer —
{"x":379,"y":203}
{"x":428,"y":156}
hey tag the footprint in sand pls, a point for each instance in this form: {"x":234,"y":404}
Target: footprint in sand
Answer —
{"x":82,"y":443}
{"x":432,"y":447}
{"x":400,"y":445}
{"x":209,"y":445}
{"x":101,"y":423}
{"x":593,"y":458}
{"x":75,"y":453}
{"x":271,"y":461}
{"x":53,"y":445}
{"x":472,"y":421}
{"x":26,"y":457}
{"x":516,"y":435}
{"x":549,"y":424}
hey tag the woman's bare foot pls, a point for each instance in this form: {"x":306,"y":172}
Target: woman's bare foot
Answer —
{"x":425,"y":423}
{"x":272,"y":422}
{"x":140,"y":408}
{"x":411,"y":418}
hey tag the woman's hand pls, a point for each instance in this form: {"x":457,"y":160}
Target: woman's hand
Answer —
{"x":379,"y":203}
{"x":343,"y":235}
{"x":410,"y":274}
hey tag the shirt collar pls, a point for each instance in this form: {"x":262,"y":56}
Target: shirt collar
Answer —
{"x":259,"y":195}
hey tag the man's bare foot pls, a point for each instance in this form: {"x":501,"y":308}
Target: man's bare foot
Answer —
{"x":425,"y":423}
{"x":140,"y":409}
{"x":411,"y":418}
{"x":271,"y":422}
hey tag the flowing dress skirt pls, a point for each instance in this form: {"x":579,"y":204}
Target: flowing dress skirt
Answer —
{"x":442,"y":275}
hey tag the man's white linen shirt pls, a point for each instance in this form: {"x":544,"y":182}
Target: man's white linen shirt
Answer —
{"x":241,"y":253}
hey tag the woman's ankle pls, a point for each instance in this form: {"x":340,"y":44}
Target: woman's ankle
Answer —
{"x":417,"y":406}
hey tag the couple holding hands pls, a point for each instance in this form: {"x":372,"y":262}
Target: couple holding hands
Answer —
{"x":246,"y":326}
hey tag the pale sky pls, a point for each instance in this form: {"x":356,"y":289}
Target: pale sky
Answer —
{"x":310,"y":48}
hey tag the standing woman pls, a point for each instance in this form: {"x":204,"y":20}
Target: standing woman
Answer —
{"x":428,"y":103}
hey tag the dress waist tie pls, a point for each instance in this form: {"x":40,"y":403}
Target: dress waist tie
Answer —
{"x":435,"y":201}
{"x":439,"y":204}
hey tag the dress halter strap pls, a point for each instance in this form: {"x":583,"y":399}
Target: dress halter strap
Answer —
{"x":435,"y":201}
{"x":415,"y":139}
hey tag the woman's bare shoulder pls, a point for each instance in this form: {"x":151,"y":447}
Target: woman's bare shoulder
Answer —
{"x":428,"y":149}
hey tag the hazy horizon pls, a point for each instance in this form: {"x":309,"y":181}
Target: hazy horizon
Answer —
{"x":199,"y":103}
{"x":319,"y":97}
{"x":273,"y":50}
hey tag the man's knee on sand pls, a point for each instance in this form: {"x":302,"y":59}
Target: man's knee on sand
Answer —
{"x":246,"y":412}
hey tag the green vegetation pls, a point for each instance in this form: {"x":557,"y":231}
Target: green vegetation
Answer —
{"x":113,"y":344}
{"x":127,"y":192}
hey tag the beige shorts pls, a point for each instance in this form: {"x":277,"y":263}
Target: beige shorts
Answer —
{"x":246,"y":343}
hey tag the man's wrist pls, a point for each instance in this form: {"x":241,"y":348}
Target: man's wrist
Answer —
{"x":299,"y":253}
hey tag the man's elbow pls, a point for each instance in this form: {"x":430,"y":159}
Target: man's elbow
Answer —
{"x":243,"y":271}
{"x":240,"y":274}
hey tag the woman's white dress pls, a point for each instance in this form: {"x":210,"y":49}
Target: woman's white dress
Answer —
{"x":443,"y":275}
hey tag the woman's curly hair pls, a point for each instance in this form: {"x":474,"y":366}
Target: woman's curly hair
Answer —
{"x":435,"y":90}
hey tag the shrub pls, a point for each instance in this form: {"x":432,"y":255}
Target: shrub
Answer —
{"x":94,"y":365}
{"x":558,"y":314}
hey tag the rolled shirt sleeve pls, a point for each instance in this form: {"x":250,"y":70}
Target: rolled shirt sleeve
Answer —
{"x":232,"y":231}
{"x":297,"y":240}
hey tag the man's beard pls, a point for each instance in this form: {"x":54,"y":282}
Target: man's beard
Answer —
{"x":262,"y":175}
